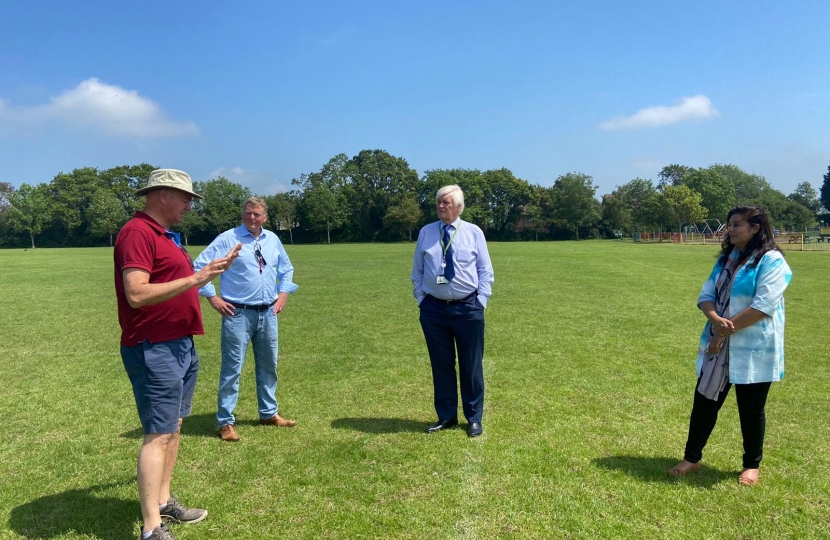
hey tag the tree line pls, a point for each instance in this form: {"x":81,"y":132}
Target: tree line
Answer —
{"x":377,"y":197}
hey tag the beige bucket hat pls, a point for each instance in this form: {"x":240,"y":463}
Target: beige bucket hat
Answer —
{"x":169,"y":179}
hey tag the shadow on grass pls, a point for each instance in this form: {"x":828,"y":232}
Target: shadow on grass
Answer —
{"x":380,"y":425}
{"x":654,"y":469}
{"x":195,"y":425}
{"x":77,"y":511}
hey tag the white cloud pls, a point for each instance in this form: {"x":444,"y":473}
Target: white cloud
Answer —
{"x":259,"y":182}
{"x":101,"y":107}
{"x":687,"y":108}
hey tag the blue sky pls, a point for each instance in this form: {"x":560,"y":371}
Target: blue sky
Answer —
{"x":261,"y":92}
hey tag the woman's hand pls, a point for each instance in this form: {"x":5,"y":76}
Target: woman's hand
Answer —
{"x":722,"y":327}
{"x":715,"y":345}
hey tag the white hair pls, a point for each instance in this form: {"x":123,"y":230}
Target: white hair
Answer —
{"x":453,"y":191}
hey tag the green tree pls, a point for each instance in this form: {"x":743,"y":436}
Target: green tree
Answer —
{"x":784,"y":213}
{"x":106,"y":213}
{"x":323,"y":198}
{"x":539,"y":210}
{"x":806,"y":196}
{"x":505,"y":196}
{"x":6,"y":193}
{"x":282,"y":212}
{"x":376,"y":179}
{"x":642,"y":200}
{"x":70,"y":196}
{"x":747,"y":186}
{"x":716,"y":191}
{"x":194,"y":221}
{"x":797,"y":217}
{"x":616,"y":214}
{"x":683,"y":204}
{"x":29,"y":210}
{"x":574,"y":205}
{"x":825,"y":190}
{"x":673,"y":175}
{"x":223,"y":203}
{"x":534,"y":215}
{"x":123,"y":181}
{"x":404,"y":216}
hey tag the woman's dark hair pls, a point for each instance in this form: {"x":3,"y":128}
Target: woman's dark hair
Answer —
{"x":762,"y":242}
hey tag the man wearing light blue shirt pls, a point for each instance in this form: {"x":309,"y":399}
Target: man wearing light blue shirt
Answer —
{"x":452,"y":278}
{"x":254,"y":290}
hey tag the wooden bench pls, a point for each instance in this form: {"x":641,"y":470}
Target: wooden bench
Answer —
{"x":799,"y":239}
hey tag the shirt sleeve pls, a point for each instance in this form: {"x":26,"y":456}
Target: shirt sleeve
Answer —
{"x":213,"y":251}
{"x":707,"y":292}
{"x":486,"y":276}
{"x":136,"y":251}
{"x":774,"y":276}
{"x":417,"y":275}
{"x":285,"y":271}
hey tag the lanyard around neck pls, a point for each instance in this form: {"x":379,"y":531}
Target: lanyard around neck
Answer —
{"x":441,"y":236}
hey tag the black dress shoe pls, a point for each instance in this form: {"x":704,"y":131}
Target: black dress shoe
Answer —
{"x":474,"y":429}
{"x":442,"y":424}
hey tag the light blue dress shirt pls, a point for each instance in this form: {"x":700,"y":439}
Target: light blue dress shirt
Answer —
{"x":756,"y":353}
{"x":243,"y":283}
{"x":471,"y":260}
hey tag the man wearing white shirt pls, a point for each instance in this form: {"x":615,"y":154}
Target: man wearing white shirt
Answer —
{"x":452,"y":278}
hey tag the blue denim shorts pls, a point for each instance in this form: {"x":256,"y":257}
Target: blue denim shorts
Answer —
{"x":163,"y":376}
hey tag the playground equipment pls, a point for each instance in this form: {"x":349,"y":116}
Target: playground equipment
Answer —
{"x":707,"y":230}
{"x":710,"y":231}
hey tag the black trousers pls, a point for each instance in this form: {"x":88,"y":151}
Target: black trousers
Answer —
{"x":752,"y":399}
{"x":447,"y":327}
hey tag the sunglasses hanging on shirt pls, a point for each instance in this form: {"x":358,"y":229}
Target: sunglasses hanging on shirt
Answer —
{"x":260,"y":259}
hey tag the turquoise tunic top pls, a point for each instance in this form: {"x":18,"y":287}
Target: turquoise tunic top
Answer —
{"x":756,"y":353}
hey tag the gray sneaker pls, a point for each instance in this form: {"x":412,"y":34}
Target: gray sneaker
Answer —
{"x":178,"y":513}
{"x":159,"y":533}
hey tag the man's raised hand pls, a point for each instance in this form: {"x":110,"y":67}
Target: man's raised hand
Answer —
{"x":217,"y":266}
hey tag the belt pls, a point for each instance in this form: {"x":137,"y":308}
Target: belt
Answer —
{"x":453,"y":302}
{"x":260,"y":307}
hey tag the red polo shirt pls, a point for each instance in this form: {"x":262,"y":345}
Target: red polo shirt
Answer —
{"x":142,"y":243}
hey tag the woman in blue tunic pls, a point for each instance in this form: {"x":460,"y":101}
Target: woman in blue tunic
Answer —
{"x":743,"y":341}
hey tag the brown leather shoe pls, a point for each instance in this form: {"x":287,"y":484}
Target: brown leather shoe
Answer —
{"x":278,"y":421}
{"x":228,"y":433}
{"x":748,"y":477}
{"x":683,"y":468}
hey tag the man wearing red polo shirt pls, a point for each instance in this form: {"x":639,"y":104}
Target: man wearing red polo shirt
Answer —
{"x":159,"y":313}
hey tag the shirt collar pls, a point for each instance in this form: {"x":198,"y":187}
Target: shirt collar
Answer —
{"x":150,"y":221}
{"x":454,"y":224}
{"x":243,"y":230}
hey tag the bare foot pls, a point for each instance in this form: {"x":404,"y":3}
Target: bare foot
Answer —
{"x":748,"y":477}
{"x":683,"y":468}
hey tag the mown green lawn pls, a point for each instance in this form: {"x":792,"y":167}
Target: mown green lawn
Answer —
{"x":589,"y":371}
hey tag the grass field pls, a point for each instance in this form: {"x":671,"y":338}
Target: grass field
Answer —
{"x":589,"y":371}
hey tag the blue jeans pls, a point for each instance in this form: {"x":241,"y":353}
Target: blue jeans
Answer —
{"x":260,"y":329}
